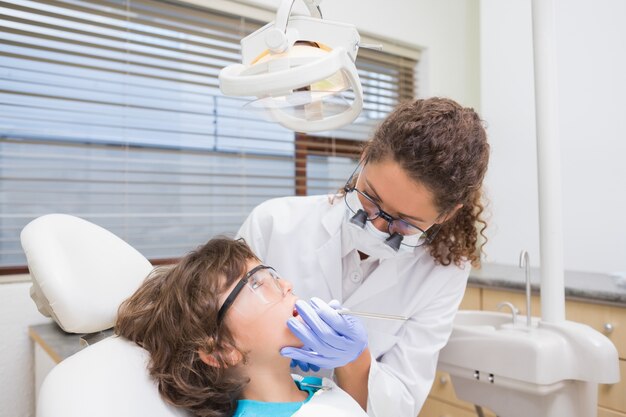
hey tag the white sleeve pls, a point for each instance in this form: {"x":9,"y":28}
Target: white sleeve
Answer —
{"x":253,"y":232}
{"x":400,"y":380}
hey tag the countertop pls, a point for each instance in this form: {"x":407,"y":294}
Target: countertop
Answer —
{"x":59,"y":344}
{"x":585,"y":286}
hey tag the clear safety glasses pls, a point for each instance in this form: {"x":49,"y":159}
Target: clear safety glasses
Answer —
{"x":259,"y":285}
{"x":400,"y":231}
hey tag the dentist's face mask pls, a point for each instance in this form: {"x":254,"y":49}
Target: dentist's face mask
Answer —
{"x":400,"y":237}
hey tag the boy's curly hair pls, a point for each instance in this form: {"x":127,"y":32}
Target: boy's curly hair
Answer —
{"x":173,"y":315}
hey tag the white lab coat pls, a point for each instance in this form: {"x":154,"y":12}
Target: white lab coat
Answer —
{"x":301,"y":238}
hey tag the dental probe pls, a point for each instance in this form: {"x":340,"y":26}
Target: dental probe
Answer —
{"x":373,"y":315}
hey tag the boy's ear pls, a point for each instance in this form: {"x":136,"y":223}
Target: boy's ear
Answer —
{"x":232,"y":357}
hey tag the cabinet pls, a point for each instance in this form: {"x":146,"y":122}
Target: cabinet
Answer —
{"x":604,"y":412}
{"x":442,"y":401}
{"x":607,"y":319}
{"x":471,"y":299}
{"x":434,"y":407}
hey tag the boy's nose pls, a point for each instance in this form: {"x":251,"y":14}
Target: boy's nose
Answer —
{"x":286,"y":285}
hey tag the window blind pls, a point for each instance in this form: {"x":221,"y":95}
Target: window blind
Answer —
{"x":111,"y":111}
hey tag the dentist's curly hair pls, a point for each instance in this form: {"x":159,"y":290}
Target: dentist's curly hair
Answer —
{"x":173,"y":315}
{"x":444,"y":146}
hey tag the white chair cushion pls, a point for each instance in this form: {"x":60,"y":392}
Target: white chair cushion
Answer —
{"x":108,"y":379}
{"x":81,"y":272}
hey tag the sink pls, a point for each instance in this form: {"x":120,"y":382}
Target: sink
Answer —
{"x":469,"y":322}
{"x":486,"y":319}
{"x":520,"y":370}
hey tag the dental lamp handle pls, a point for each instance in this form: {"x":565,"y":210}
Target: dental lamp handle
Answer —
{"x":234,"y":83}
{"x":231,"y":83}
{"x":331,"y":122}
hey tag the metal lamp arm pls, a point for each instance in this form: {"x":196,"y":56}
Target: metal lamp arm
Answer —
{"x":284,"y":11}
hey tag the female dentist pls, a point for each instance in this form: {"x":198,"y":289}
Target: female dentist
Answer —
{"x":399,"y":239}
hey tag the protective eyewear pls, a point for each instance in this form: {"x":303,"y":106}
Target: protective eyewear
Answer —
{"x":259,"y":285}
{"x":400,"y":231}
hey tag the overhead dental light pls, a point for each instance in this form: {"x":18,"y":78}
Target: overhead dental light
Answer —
{"x":301,"y":71}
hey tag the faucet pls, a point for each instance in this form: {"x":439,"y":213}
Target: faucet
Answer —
{"x":524,"y":262}
{"x":510,"y":305}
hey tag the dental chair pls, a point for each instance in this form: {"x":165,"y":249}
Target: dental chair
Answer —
{"x":81,"y":273}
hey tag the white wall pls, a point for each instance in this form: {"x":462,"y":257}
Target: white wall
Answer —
{"x":17,"y":312}
{"x":448,"y":33}
{"x":591,"y":41}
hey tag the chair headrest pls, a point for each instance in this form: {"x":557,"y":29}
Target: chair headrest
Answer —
{"x":81,"y":272}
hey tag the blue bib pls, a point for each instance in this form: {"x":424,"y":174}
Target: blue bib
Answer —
{"x":252,"y":408}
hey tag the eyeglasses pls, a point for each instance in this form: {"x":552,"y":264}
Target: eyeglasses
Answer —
{"x":400,"y":231}
{"x":261,"y":284}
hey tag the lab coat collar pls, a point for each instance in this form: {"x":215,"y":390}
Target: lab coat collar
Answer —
{"x":329,"y":252}
{"x":334,"y":216}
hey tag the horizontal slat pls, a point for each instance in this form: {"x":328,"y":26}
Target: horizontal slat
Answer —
{"x":123,"y":155}
{"x":100,"y":195}
{"x":215,"y":191}
{"x":128,"y":158}
{"x":24,"y":169}
{"x":162,"y":152}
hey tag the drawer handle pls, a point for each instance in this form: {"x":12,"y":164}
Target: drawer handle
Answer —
{"x":443,"y":380}
{"x":608,"y":328}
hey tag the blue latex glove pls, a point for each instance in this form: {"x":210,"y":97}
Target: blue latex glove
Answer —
{"x":304,"y":366}
{"x":330,"y":339}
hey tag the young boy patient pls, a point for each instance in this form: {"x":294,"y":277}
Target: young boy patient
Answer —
{"x":214,"y":325}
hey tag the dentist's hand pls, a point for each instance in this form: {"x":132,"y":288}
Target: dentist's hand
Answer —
{"x":305,"y":366}
{"x":330,"y":339}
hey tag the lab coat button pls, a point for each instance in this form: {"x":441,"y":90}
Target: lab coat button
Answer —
{"x":355,"y":277}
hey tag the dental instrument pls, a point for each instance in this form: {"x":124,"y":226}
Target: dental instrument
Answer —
{"x":299,"y":68}
{"x":373,"y":315}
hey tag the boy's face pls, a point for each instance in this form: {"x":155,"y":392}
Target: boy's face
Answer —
{"x":258,"y":317}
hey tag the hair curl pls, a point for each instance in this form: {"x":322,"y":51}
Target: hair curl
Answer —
{"x":173,"y":315}
{"x":443,"y":146}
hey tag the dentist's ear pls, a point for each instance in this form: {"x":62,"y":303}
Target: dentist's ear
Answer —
{"x":229,"y":358}
{"x":451,"y":214}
